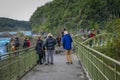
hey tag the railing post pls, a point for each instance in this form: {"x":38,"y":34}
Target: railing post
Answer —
{"x":18,"y":65}
{"x":115,"y":65}
{"x":10,"y":67}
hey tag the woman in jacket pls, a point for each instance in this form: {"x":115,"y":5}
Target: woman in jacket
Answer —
{"x":39,"y":49}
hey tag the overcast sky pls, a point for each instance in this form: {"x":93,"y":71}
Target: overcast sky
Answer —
{"x":19,"y":9}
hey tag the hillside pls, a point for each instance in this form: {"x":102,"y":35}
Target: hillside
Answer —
{"x":7,"y":24}
{"x":73,"y":14}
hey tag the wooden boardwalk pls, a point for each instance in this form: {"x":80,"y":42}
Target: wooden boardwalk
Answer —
{"x":58,"y":71}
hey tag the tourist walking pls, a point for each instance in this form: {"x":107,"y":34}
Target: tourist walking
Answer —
{"x":39,"y":49}
{"x":58,"y":41}
{"x":50,"y":46}
{"x":67,"y":45}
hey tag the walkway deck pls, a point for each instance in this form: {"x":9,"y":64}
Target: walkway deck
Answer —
{"x":59,"y":71}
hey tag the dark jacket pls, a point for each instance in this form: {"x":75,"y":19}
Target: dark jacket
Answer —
{"x":16,"y":42}
{"x":50,"y":43}
{"x":38,"y":46}
{"x":25,"y":44}
{"x":67,"y":41}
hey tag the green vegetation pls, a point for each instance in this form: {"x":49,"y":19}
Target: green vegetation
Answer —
{"x":7,"y":24}
{"x":14,"y":66}
{"x":75,"y":14}
{"x":114,"y":27}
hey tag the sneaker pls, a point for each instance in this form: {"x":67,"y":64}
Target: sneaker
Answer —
{"x":41,"y":63}
{"x":67,"y":62}
{"x":71,"y":62}
{"x":46,"y":63}
{"x":51,"y":63}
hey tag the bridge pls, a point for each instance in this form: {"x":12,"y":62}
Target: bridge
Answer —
{"x":88,"y":63}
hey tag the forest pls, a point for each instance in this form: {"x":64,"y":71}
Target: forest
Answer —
{"x":7,"y":24}
{"x":75,"y":14}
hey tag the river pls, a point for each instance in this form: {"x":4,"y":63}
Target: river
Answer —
{"x":3,"y":41}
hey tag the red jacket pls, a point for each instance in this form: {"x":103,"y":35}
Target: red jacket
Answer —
{"x":28,"y":43}
{"x":92,"y":35}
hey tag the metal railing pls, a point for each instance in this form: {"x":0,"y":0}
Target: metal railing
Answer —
{"x":98,"y":65}
{"x":15,"y":64}
{"x":100,"y":40}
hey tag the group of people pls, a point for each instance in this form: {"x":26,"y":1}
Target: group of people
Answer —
{"x":15,"y":43}
{"x":26,"y":43}
{"x":91,"y":34}
{"x":47,"y":44}
{"x":45,"y":48}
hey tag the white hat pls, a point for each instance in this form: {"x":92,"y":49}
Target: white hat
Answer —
{"x":49,"y":35}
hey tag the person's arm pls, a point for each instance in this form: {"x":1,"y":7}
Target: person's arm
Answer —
{"x":71,"y":39}
{"x":55,"y":41}
{"x":36,"y":47}
{"x":63,"y":41}
{"x":44,"y":43}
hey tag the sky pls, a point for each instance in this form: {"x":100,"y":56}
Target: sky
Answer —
{"x":20,"y":9}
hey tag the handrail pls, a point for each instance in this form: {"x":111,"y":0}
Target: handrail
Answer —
{"x":12,"y":52}
{"x":99,"y":53}
{"x":97,"y":36}
{"x":98,"y":65}
{"x":102,"y":40}
{"x":17,"y":63}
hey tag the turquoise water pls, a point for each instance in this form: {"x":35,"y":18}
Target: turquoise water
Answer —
{"x":3,"y":41}
{"x":13,"y":32}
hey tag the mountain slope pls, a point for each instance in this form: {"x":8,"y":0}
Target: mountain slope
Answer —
{"x":7,"y":24}
{"x":73,"y":14}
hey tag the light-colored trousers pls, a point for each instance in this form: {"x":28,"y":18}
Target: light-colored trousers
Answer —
{"x":49,"y":55}
{"x":68,"y":55}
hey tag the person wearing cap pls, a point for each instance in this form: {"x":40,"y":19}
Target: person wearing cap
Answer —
{"x":67,"y":45}
{"x":39,"y":49}
{"x":50,"y":43}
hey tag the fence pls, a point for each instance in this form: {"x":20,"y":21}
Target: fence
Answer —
{"x":15,"y":64}
{"x":98,"y":65}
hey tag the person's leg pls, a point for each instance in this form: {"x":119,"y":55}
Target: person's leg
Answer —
{"x":70,"y":56}
{"x":91,"y":42}
{"x":51,"y":54}
{"x":58,"y":44}
{"x":47,"y":56}
{"x":40,"y":59}
{"x":67,"y":58}
{"x":44,"y":58}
